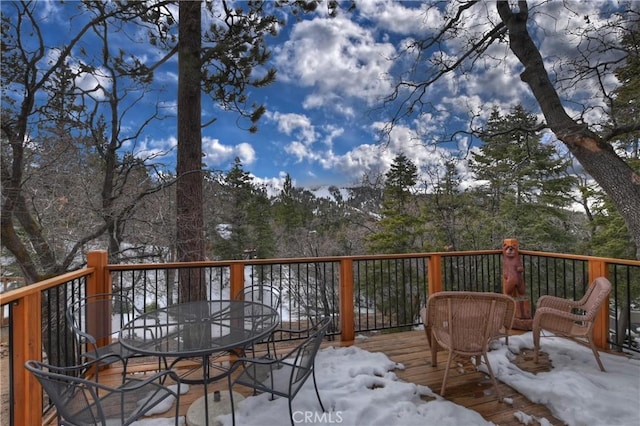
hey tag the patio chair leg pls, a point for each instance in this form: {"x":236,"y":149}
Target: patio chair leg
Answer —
{"x":433,"y":345}
{"x":177,"y":423}
{"x":291,"y":412}
{"x":233,"y":410}
{"x":536,"y":345}
{"x":315,"y":385}
{"x":493,"y":378}
{"x":446,"y":373}
{"x":596,"y":354}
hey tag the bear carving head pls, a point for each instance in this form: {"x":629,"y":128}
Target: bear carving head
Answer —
{"x":510,"y":248}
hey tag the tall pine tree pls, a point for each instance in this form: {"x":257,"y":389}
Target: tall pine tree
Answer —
{"x":399,"y":227}
{"x":525,"y":180}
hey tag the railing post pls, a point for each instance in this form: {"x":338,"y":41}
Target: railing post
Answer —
{"x":347,"y":323}
{"x":434,"y":273}
{"x":237,"y":278}
{"x":100,"y":281}
{"x":598,"y":268}
{"x":27,"y":344}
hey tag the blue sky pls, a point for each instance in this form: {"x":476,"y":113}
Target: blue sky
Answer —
{"x":324,"y":111}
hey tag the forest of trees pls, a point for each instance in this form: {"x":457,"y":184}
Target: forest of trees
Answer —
{"x":70,"y":185}
{"x":393,"y":213}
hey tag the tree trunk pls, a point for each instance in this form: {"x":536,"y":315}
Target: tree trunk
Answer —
{"x":189,"y":201}
{"x":597,"y":157}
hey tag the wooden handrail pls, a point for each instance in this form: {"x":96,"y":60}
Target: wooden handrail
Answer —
{"x":26,"y":315}
{"x":17,"y":294}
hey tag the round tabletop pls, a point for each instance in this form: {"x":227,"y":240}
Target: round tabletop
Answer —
{"x":199,"y":328}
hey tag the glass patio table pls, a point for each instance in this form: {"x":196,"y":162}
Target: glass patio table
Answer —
{"x":202,"y":329}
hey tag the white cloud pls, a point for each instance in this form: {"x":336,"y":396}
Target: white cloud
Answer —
{"x":332,"y":132}
{"x":396,"y":17}
{"x":216,"y":153}
{"x":299,"y":150}
{"x":298,"y":125}
{"x":152,"y":149}
{"x":332,"y":73}
{"x":338,"y":58}
{"x":377,"y":158}
{"x":343,"y":59}
{"x":246,"y":153}
{"x":94,"y":83}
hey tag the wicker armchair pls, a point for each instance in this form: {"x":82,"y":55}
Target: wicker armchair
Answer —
{"x":571,"y":319}
{"x":464,"y":323}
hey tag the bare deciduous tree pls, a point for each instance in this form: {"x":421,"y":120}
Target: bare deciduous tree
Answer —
{"x":599,"y":52}
{"x":49,"y":118}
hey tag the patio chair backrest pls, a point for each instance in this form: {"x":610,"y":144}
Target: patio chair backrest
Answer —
{"x":594,"y":297}
{"x":265,"y":294}
{"x":287,"y":372}
{"x":281,"y":375}
{"x":468,"y":321}
{"x":304,"y":356}
{"x":82,"y":314}
{"x":76,"y":399}
{"x":80,"y":399}
{"x":465,"y":323}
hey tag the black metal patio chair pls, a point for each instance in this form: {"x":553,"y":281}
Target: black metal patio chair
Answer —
{"x":281,"y":375}
{"x":266,"y":295}
{"x":99,"y":339}
{"x":80,"y":400}
{"x":261,"y":293}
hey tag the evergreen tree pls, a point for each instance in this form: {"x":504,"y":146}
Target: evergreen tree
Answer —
{"x":440,"y":210}
{"x":398,"y":231}
{"x":242,"y":226}
{"x":399,"y":227}
{"x":611,"y":237}
{"x":625,"y":106}
{"x":289,"y":209}
{"x":293,"y":217}
{"x":526,"y":180}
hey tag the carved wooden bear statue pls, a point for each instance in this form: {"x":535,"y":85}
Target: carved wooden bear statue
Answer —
{"x":512,"y":269}
{"x":513,"y":283}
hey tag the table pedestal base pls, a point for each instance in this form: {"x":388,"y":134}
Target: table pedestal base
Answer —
{"x":196,"y":416}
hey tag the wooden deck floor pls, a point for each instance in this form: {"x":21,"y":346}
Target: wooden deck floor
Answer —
{"x":411,"y":349}
{"x":467,"y":389}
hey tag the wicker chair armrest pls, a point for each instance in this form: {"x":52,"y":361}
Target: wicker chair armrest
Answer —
{"x":557,"y":303}
{"x":561,"y":314}
{"x":556,"y":320}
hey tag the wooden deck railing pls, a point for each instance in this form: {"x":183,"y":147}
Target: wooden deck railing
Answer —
{"x":26,"y":304}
